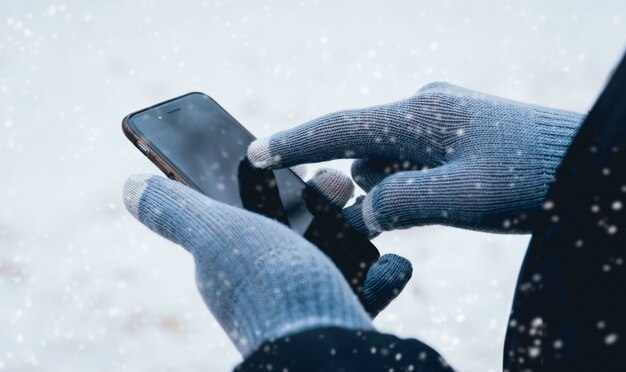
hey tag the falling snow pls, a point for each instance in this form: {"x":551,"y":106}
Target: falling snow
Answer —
{"x":611,"y":338}
{"x":83,"y":286}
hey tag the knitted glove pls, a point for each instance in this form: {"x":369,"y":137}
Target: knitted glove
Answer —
{"x":260,"y":279}
{"x":447,"y":155}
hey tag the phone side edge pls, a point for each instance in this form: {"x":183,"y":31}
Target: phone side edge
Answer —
{"x":152,"y":155}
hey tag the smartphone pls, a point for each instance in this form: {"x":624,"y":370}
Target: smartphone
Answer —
{"x":193,"y":140}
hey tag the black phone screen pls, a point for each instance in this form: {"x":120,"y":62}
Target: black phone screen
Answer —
{"x":207,"y":147}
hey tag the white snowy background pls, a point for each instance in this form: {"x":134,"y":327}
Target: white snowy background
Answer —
{"x":84,"y":287}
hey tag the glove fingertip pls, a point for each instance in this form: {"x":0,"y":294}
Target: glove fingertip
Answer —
{"x":369,"y":215}
{"x":333,"y":185}
{"x":385,"y":281}
{"x":398,"y":266}
{"x":134,"y":188}
{"x":259,"y":153}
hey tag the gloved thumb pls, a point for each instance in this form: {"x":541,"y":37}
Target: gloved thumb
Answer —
{"x":384,"y":282}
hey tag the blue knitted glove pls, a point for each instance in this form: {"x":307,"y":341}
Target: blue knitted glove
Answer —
{"x":447,"y":155}
{"x":260,"y":279}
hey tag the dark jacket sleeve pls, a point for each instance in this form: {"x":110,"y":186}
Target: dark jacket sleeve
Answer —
{"x":569,"y":311}
{"x":338,"y":349}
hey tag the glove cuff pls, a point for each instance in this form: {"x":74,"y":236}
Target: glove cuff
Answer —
{"x":557,"y":129}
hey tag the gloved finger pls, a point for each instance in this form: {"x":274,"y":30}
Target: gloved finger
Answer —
{"x":399,"y":130}
{"x":187,"y":217}
{"x":384,"y":282}
{"x":388,"y":276}
{"x":414,"y":198}
{"x":454,"y":194}
{"x":404,"y":200}
{"x":333,"y":185}
{"x":367,"y":173}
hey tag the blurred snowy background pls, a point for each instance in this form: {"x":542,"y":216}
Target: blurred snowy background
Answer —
{"x":84,"y":287}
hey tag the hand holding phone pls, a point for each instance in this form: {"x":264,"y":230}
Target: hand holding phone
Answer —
{"x":259,"y":278}
{"x":193,"y":140}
